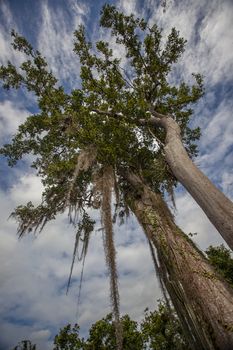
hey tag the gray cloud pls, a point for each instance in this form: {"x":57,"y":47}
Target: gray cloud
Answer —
{"x":34,"y":274}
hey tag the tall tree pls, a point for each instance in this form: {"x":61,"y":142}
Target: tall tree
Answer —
{"x":97,"y":140}
{"x":168,"y":106}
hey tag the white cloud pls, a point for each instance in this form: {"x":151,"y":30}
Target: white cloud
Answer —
{"x":216,"y":33}
{"x":11,"y":116}
{"x":193,"y":220}
{"x":5,"y":48}
{"x":29,"y":188}
{"x":6,"y":51}
{"x":227,"y":183}
{"x":207,"y":26}
{"x":56,"y":41}
{"x":216,"y":142}
{"x":128,"y":6}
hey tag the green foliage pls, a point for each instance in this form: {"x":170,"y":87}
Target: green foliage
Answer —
{"x":34,"y":75}
{"x":159,"y":330}
{"x":220,"y":258}
{"x":102,"y":335}
{"x":25,"y":345}
{"x":68,"y":339}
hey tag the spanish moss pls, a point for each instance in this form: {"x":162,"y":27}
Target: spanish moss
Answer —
{"x":85,"y":160}
{"x":85,"y":228}
{"x":109,"y":248}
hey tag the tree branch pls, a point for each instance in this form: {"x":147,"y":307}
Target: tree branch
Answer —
{"x":108,"y":113}
{"x":156,"y":120}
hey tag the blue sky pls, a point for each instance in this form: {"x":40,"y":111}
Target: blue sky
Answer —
{"x":34,"y":271}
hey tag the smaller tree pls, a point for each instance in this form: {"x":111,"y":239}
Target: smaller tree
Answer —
{"x":102,"y":334}
{"x":68,"y":339}
{"x":162,"y":330}
{"x":25,"y":345}
{"x":220,"y":258}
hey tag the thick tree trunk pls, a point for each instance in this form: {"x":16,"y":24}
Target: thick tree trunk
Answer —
{"x":203,"y":301}
{"x":217,"y":207}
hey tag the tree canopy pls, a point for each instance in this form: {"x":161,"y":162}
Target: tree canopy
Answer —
{"x":67,"y":124}
{"x":86,"y":143}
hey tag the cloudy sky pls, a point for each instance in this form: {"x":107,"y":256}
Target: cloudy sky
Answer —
{"x":34,"y":271}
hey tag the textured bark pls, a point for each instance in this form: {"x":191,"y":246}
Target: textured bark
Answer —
{"x":217,"y":207}
{"x":203,"y":301}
